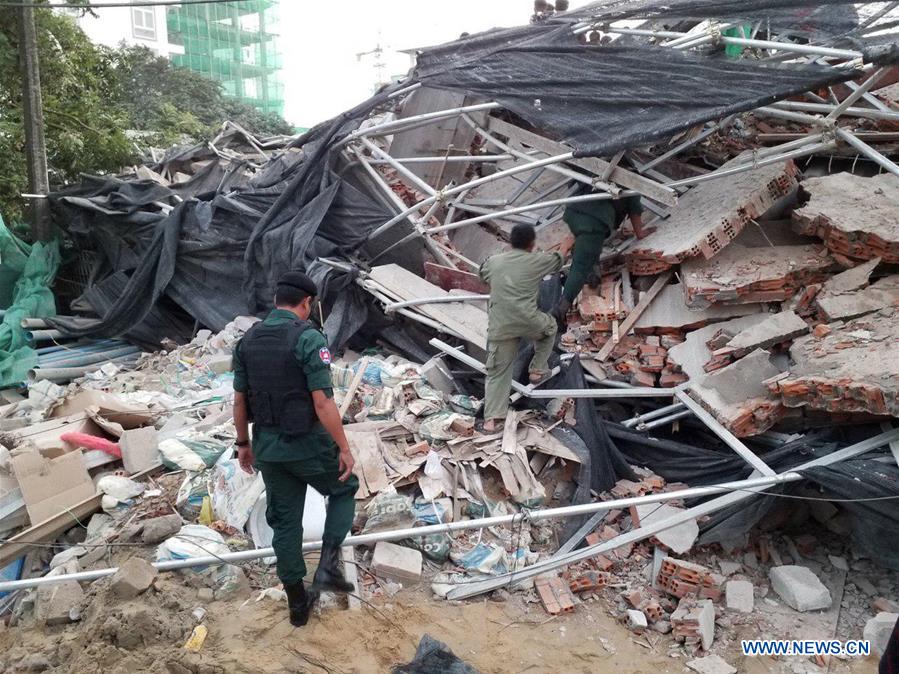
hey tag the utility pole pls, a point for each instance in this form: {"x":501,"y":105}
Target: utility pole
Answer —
{"x":33,"y":118}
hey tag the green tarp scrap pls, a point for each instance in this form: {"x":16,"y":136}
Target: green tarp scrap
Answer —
{"x":33,"y":267}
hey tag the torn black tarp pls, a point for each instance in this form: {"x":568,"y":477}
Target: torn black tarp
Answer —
{"x":600,"y":100}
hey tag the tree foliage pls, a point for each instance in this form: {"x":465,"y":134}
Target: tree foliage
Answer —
{"x":92,"y":95}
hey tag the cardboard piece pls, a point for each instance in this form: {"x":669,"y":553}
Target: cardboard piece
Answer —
{"x":47,"y":435}
{"x":51,"y":481}
{"x":111,"y":408}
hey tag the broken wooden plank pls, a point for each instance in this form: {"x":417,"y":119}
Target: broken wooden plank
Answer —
{"x":351,"y":391}
{"x":455,"y":279}
{"x":634,"y":316}
{"x":369,"y":466}
{"x":350,"y":573}
{"x":510,"y":433}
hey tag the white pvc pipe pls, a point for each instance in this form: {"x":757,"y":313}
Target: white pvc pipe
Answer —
{"x":443,"y":299}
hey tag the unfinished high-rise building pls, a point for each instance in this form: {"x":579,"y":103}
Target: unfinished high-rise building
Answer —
{"x":235,"y":43}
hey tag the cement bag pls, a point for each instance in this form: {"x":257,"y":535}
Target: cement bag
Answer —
{"x":193,"y":455}
{"x":234,"y":492}
{"x":400,"y":374}
{"x":389,"y":510}
{"x":313,"y":520}
{"x":117,"y":491}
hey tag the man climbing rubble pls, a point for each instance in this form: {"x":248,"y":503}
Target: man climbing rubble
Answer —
{"x":592,"y":222}
{"x":512,"y":314}
{"x":282,"y":383}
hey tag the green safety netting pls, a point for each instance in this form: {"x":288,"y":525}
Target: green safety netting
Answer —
{"x":26,"y":272}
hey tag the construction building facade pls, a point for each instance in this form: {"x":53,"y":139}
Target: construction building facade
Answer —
{"x":234,"y":43}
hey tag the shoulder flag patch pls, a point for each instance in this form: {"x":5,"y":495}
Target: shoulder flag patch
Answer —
{"x":325,"y":355}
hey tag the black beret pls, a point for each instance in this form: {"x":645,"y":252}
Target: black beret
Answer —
{"x":298,"y":280}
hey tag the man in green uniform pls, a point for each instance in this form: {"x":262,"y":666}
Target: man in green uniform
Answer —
{"x":514,"y":278}
{"x":282,"y":383}
{"x":592,"y":222}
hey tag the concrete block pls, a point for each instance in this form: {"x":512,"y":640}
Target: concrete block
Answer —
{"x":437,"y":374}
{"x":133,"y":577}
{"x":396,"y":562}
{"x":879,"y":629}
{"x":158,"y":529}
{"x":729,"y":568}
{"x":838,"y":563}
{"x":219,"y":364}
{"x":140,"y":449}
{"x":678,"y":539}
{"x":67,"y":555}
{"x":59,"y":604}
{"x":636,"y":620}
{"x":799,"y":588}
{"x":743,"y":379}
{"x":712,"y":664}
{"x":739,"y":596}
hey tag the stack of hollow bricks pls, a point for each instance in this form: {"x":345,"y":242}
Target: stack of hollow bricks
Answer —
{"x":685,"y":579}
{"x":642,"y":360}
{"x":648,"y":262}
{"x":555,"y":595}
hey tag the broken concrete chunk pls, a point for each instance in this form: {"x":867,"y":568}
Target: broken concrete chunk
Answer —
{"x":678,"y":539}
{"x":851,"y":279}
{"x":669,"y":312}
{"x":59,"y":604}
{"x":838,"y":563}
{"x":729,"y":568}
{"x":397,"y":563}
{"x":855,"y":216}
{"x":799,"y":588}
{"x":855,"y":368}
{"x":133,"y":577}
{"x":636,"y":620}
{"x":712,"y":664}
{"x":67,"y":555}
{"x":694,"y":622}
{"x":879,"y":629}
{"x":437,"y":374}
{"x":739,"y":596}
{"x":159,"y":529}
{"x":742,"y":380}
{"x":884,"y":293}
{"x":140,"y":449}
{"x":773,"y":330}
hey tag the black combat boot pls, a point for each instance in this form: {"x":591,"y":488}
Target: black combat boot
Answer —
{"x":329,"y":575}
{"x":300,"y":602}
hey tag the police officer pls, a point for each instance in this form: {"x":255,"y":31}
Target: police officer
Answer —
{"x":592,"y":222}
{"x":512,"y":314}
{"x":282,"y":383}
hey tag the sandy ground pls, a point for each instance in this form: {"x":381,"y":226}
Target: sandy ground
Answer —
{"x":147,"y":635}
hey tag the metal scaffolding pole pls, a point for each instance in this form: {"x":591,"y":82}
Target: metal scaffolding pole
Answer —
{"x":413,"y":179}
{"x":466,"y":590}
{"x":868,"y":151}
{"x":826,"y":108}
{"x":756,"y":483}
{"x":443,"y":194}
{"x":442,"y":299}
{"x":388,"y":128}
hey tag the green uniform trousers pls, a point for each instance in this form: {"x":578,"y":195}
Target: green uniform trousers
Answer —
{"x":584,"y":255}
{"x":285,"y":487}
{"x":501,"y":355}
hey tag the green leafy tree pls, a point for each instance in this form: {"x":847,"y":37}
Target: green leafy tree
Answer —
{"x":84,"y":130}
{"x":150,"y":87}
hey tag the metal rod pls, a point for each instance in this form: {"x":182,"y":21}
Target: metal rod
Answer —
{"x":688,"y":143}
{"x":402,"y":170}
{"x":474,"y":183}
{"x":528,"y":392}
{"x":471,"y":589}
{"x":664,"y":421}
{"x":868,"y":151}
{"x":415,"y":532}
{"x":443,"y":299}
{"x":811,"y":149}
{"x":474,"y":158}
{"x":388,"y":128}
{"x":654,"y":414}
{"x":405,"y":90}
{"x":598,"y":196}
{"x":859,"y":91}
{"x":868,"y":113}
{"x":729,"y":438}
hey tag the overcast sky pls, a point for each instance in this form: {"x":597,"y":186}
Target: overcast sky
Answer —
{"x":320,"y":40}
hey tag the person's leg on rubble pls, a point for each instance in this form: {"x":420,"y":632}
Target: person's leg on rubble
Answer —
{"x":323,"y":475}
{"x":285,"y":500}
{"x":544,"y":340}
{"x":500,"y":362}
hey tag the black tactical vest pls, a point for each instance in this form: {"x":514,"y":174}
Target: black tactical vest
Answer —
{"x":278,"y":394}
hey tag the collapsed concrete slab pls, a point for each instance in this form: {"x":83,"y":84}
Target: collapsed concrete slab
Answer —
{"x":773,"y":330}
{"x":855,"y":216}
{"x":669,"y":313}
{"x":678,"y":539}
{"x":743,"y":405}
{"x":740,"y":275}
{"x":881,"y":294}
{"x":711,"y":215}
{"x":850,"y":280}
{"x":879,"y":629}
{"x":852,"y":368}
